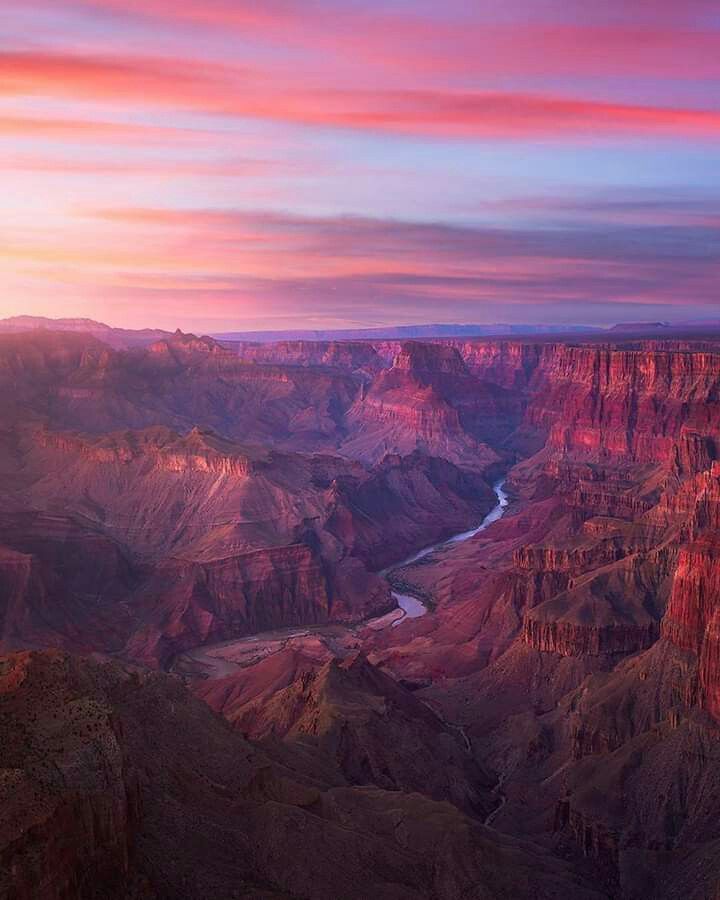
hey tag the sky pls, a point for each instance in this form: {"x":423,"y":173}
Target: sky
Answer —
{"x":273,"y":164}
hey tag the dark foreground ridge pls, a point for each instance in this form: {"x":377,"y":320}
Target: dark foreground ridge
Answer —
{"x":120,"y":784}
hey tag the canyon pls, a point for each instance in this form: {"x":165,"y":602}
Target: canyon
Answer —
{"x":208,"y":687}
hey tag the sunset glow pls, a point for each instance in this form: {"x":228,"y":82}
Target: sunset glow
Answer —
{"x":229,"y":164}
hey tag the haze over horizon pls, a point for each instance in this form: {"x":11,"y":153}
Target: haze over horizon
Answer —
{"x":400,"y":331}
{"x":223,"y":165}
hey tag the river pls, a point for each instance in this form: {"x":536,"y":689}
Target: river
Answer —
{"x":412,"y":606}
{"x":226,"y":657}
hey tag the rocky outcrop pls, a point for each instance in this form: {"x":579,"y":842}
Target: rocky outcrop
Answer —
{"x":185,"y":604}
{"x":603,"y":402}
{"x":200,"y":451}
{"x":119,"y":784}
{"x":62,"y":786}
{"x":691,"y":506}
{"x":429,"y":400}
{"x":572,"y":559}
{"x":612,"y":610}
{"x":695,"y":594}
{"x":429,"y":361}
{"x":179,"y":347}
{"x":694,"y":453}
{"x":355,"y":356}
{"x":640,"y":805}
{"x":508,"y":364}
{"x":574,"y":639}
{"x":407,"y":397}
{"x":366,"y":724}
{"x":50,"y":595}
{"x":693,"y":614}
{"x":710,"y":666}
{"x":608,"y":502}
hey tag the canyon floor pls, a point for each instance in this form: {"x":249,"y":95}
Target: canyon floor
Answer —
{"x":349,"y":619}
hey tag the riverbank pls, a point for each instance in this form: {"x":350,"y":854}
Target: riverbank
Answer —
{"x":224,"y":658}
{"x":413,"y":604}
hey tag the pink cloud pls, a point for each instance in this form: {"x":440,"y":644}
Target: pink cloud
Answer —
{"x":251,"y":93}
{"x":204,"y":265}
{"x":464,"y":43}
{"x":219,"y":168}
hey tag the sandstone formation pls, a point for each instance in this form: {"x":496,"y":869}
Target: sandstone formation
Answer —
{"x":558,"y":700}
{"x":429,"y":399}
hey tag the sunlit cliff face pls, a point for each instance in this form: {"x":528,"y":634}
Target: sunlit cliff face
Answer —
{"x":331,"y":164}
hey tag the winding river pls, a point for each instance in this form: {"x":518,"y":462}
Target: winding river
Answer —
{"x":225,"y":657}
{"x":413,"y":607}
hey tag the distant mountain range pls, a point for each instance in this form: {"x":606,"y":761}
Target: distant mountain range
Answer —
{"x":115,"y":337}
{"x":124,"y":338}
{"x":647,"y":327}
{"x":404,"y":332}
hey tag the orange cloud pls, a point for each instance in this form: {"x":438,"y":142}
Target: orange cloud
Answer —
{"x":88,"y":130}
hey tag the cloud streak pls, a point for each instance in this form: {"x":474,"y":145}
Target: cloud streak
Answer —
{"x":250,"y":93}
{"x":232,"y":160}
{"x":237,"y":261}
{"x":632,"y":39}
